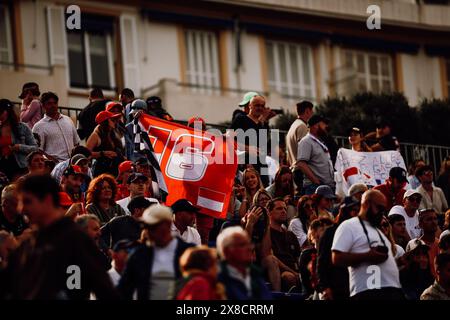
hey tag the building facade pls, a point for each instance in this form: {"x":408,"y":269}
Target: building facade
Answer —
{"x":201,"y":56}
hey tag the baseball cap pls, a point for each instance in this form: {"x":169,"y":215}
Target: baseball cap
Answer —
{"x":105,"y":115}
{"x":354,"y":129}
{"x":136,"y":176}
{"x":315,"y":119}
{"x":325,"y":191}
{"x":6,"y":104}
{"x":411,"y":192}
{"x":76,"y":159}
{"x":417,"y":244}
{"x":349,"y":202}
{"x":156,"y":214}
{"x":184,"y":205}
{"x":357,"y":187}
{"x":73,"y":170}
{"x":125,"y":166}
{"x":29,"y":86}
{"x":113,"y":104}
{"x":124,"y":244}
{"x":154,"y":100}
{"x":398,"y":173}
{"x":247,"y":97}
{"x":64,"y":199}
{"x":142,"y":161}
{"x":138,"y":104}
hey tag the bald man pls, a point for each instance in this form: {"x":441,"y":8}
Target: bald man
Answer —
{"x":360,"y":245}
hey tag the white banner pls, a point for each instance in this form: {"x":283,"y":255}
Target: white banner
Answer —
{"x":371,"y":168}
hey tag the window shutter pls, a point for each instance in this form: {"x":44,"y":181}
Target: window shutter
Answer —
{"x":128,"y":36}
{"x":56,"y":28}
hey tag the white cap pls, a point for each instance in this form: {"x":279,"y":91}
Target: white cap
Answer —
{"x":414,"y":244}
{"x":410,"y":192}
{"x":156,"y":214}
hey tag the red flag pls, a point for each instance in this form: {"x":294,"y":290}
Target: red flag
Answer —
{"x":198,"y":166}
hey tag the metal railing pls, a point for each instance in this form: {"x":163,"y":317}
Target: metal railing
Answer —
{"x":431,"y":154}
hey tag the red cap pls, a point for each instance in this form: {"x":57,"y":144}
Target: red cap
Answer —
{"x":196,"y":119}
{"x":125,"y":166}
{"x":112,"y":104}
{"x":105,"y":115}
{"x":73,"y":170}
{"x":64,"y":199}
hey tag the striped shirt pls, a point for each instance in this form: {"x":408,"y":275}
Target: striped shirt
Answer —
{"x":58,"y":137}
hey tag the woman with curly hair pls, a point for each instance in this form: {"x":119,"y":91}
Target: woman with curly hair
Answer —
{"x":100,"y":198}
{"x":306,"y":212}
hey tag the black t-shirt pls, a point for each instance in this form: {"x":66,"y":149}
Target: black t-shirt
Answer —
{"x":120,"y":228}
{"x":244,"y":123}
{"x":285,"y":247}
{"x":86,"y":118}
{"x":16,"y":227}
{"x":389,"y":142}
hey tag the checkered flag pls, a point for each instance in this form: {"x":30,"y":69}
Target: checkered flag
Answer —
{"x":143,"y":147}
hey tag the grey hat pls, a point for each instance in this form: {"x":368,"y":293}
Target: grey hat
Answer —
{"x":77,"y":158}
{"x":357,"y":187}
{"x":138,"y":104}
{"x":325,"y":191}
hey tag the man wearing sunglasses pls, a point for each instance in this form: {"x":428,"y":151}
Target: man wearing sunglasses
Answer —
{"x":409,"y":210}
{"x":394,"y":188}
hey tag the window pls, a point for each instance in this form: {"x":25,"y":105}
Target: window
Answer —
{"x":373,"y":71}
{"x":290,"y":69}
{"x":202,"y":67}
{"x":6,"y":54}
{"x":90,"y":55}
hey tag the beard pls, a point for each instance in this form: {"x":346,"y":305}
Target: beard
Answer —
{"x":322,"y":133}
{"x":374,"y":218}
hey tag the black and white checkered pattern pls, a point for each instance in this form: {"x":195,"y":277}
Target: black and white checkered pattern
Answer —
{"x":143,"y":146}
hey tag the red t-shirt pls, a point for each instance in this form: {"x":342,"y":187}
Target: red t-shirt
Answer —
{"x":199,"y":288}
{"x":392,"y":199}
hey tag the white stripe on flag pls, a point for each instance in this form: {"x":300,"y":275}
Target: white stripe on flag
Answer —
{"x":210,"y":204}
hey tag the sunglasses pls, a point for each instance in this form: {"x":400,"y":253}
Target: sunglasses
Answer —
{"x":308,"y":205}
{"x":415,"y":199}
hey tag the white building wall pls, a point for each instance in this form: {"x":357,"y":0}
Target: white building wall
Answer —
{"x":421,"y":77}
{"x":251,"y":75}
{"x":34,"y":32}
{"x":159,"y":55}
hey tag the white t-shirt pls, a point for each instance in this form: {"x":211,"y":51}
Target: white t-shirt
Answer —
{"x":400,"y":252}
{"x":163,"y":272}
{"x":412,"y":223}
{"x":125,"y":201}
{"x":191,"y":235}
{"x":114,"y":276}
{"x":350,"y":238}
{"x":297,"y":228}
